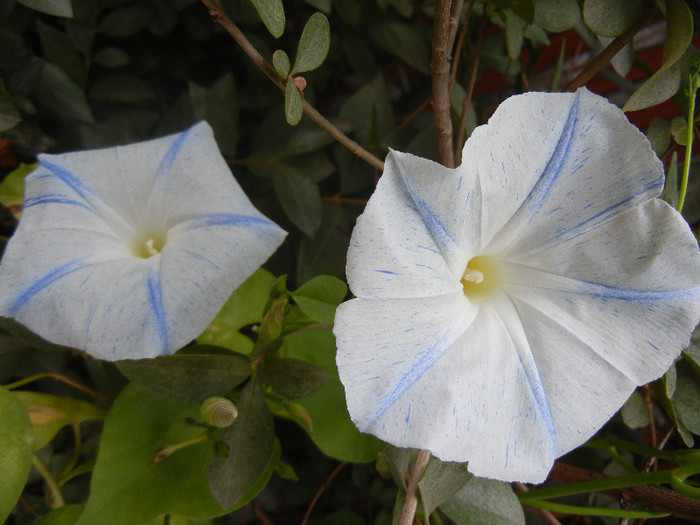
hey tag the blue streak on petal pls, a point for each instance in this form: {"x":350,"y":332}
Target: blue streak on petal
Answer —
{"x":68,"y":178}
{"x":540,"y":191}
{"x":387,"y":272}
{"x":424,"y":361}
{"x":201,"y":258}
{"x":155,"y":297}
{"x":171,"y":154}
{"x":55,"y":199}
{"x":45,"y":281}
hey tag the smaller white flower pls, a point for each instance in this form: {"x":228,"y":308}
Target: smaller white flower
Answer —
{"x":130,"y":252}
{"x":507,"y":308}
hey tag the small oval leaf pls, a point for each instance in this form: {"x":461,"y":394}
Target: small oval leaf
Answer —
{"x":272,"y":14}
{"x":313,"y":45}
{"x":293,"y":104}
{"x":281,"y":62}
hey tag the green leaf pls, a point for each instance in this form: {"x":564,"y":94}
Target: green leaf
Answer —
{"x":663,"y":84}
{"x":125,"y":21}
{"x":319,"y":297}
{"x":685,"y":398}
{"x":127,"y":486}
{"x":272,"y":14}
{"x":370,"y":113}
{"x":60,"y":94}
{"x":326,"y":252}
{"x":59,"y":50}
{"x":671,"y":191}
{"x":188,"y":378}
{"x":635,"y":412}
{"x":293,"y":103}
{"x":9,"y":115}
{"x":111,"y":57}
{"x":556,"y":15}
{"x":280,"y":61}
{"x":313,"y":45}
{"x":16,"y":443}
{"x":245,"y":306}
{"x":291,"y":378}
{"x":300,"y":198}
{"x":440,"y":482}
{"x":12,"y":188}
{"x":515,"y":32}
{"x":333,"y":431}
{"x":484,"y":502}
{"x":250,"y":442}
{"x":66,"y":515}
{"x":611,"y":19}
{"x":404,"y":41}
{"x":49,"y":413}
{"x":218,"y":105}
{"x":659,"y":135}
{"x":679,"y":129}
{"x":50,"y":7}
{"x":122,"y":88}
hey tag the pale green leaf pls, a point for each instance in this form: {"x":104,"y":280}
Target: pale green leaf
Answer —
{"x":659,"y":135}
{"x":313,"y":45}
{"x":319,"y":297}
{"x":606,"y":18}
{"x":281,"y":63}
{"x":685,"y":398}
{"x":66,"y":515}
{"x":16,"y":443}
{"x":272,"y":14}
{"x":661,"y":86}
{"x":61,"y":8}
{"x":556,"y":15}
{"x":441,"y":481}
{"x":12,"y":188}
{"x":49,"y":413}
{"x":635,"y":412}
{"x":293,"y":104}
{"x":679,"y":130}
{"x":514,"y":33}
{"x":484,"y":502}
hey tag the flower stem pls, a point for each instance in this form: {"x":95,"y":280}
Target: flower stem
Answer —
{"x":410,"y":502}
{"x":218,"y":14}
{"x":59,"y":377}
{"x":693,"y":86}
{"x":56,"y":499}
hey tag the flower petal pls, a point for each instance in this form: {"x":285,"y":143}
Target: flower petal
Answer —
{"x":583,"y":164}
{"x":476,"y":397}
{"x":397,"y":227}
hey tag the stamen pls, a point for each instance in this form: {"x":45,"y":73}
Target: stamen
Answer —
{"x":473,"y":276}
{"x":150,"y":248}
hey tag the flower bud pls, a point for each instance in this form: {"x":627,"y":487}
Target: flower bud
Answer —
{"x":218,"y":412}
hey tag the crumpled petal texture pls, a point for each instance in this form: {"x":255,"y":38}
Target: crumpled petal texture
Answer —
{"x":78,"y":271}
{"x":599,"y":292}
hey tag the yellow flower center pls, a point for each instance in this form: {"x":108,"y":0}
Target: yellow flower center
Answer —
{"x":482,"y":278}
{"x":148,"y":246}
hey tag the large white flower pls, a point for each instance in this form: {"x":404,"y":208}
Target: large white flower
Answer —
{"x":130,"y":252}
{"x":506,"y":309}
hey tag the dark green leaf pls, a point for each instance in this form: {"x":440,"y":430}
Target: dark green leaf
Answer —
{"x":59,"y":50}
{"x":127,"y":486}
{"x":111,"y":57}
{"x":189,"y":378}
{"x":16,"y":443}
{"x":313,"y":45}
{"x":671,"y":192}
{"x":556,"y":15}
{"x":272,"y":14}
{"x":659,"y":135}
{"x":484,"y":502}
{"x":251,"y":443}
{"x":326,"y":252}
{"x":50,"y":7}
{"x":218,"y":105}
{"x":300,"y":198}
{"x":271,"y":327}
{"x":679,"y":130}
{"x":611,"y":19}
{"x":370,"y":113}
{"x":333,"y":431}
{"x":9,"y":116}
{"x":291,"y":378}
{"x":49,"y":413}
{"x":685,"y":398}
{"x":515,"y":32}
{"x":125,"y":21}
{"x":121,"y":88}
{"x":635,"y":412}
{"x":293,"y":103}
{"x":440,"y":482}
{"x":319,"y":297}
{"x":61,"y":95}
{"x":403,"y":40}
{"x":280,"y":61}
{"x":661,"y":86}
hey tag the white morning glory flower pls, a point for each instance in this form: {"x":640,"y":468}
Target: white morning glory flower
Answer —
{"x":506,"y":309}
{"x":130,"y":252}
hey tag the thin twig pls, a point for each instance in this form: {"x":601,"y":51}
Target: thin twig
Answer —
{"x":410,"y":502}
{"x":321,"y":490}
{"x":218,"y":14}
{"x":599,"y":62}
{"x":440,"y":69}
{"x":60,"y":377}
